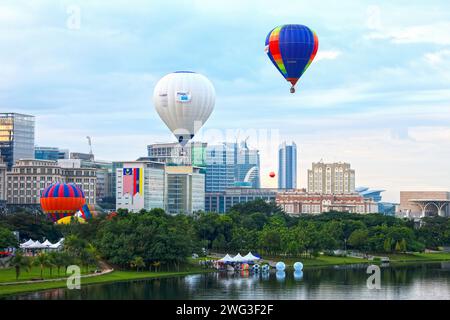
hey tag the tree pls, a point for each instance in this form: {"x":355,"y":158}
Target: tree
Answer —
{"x":387,"y":246}
{"x":42,"y":261}
{"x":358,"y":239}
{"x":398,"y":247}
{"x":7,"y":238}
{"x":137,"y":263}
{"x":18,"y":261}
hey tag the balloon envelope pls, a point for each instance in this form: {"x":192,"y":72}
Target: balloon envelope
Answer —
{"x":292,"y":48}
{"x":68,"y":220}
{"x":184,"y":100}
{"x":62,"y":200}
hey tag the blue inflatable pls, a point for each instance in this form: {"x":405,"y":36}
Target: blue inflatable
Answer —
{"x":298,"y":266}
{"x":280,"y":266}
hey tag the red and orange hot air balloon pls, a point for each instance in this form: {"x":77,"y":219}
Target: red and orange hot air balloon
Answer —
{"x":62,"y":200}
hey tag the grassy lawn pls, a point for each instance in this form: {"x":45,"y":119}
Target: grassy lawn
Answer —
{"x":441,"y":256}
{"x":110,"y":277}
{"x":320,"y":261}
{"x":9,"y":274}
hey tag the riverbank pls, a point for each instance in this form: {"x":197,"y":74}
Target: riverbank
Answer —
{"x":324,"y":261}
{"x":114,"y":276}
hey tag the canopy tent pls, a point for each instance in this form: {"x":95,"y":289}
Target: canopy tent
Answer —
{"x":227,"y":258}
{"x":26,"y":244}
{"x":250,"y":257}
{"x":30,"y":244}
{"x":47,"y":244}
{"x":237,"y":258}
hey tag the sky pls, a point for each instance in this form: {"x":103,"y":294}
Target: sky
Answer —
{"x":376,"y":96}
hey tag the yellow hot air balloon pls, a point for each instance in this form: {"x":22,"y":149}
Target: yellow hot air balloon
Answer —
{"x":68,"y":220}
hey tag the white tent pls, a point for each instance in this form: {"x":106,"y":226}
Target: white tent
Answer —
{"x":237,"y":258}
{"x":227,"y":258}
{"x":47,"y":244}
{"x":26,"y":244}
{"x":250,"y":257}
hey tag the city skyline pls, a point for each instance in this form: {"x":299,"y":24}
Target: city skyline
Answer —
{"x":377,"y":114}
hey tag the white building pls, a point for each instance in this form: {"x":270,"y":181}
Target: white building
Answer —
{"x":140,"y":185}
{"x":185,"y":190}
{"x":331,"y":178}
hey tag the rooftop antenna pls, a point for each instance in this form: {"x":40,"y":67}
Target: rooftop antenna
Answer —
{"x":90,"y":147}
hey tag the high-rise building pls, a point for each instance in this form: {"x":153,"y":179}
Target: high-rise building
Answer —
{"x":16,"y":137}
{"x":185,"y":189}
{"x":140,"y":185}
{"x":29,"y":177}
{"x":192,"y":153}
{"x":331,"y":178}
{"x":287,"y":166}
{"x":103,"y":170}
{"x":231,"y":164}
{"x":50,"y":153}
{"x":2,"y":183}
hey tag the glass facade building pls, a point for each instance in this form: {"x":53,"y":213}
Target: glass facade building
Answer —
{"x":229,"y":164}
{"x":287,"y":166}
{"x":222,"y":202}
{"x":16,"y":137}
{"x":49,"y":153}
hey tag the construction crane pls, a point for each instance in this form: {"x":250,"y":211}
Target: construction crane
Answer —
{"x":90,"y":147}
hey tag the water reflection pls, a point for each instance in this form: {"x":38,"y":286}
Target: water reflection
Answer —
{"x":427,"y":281}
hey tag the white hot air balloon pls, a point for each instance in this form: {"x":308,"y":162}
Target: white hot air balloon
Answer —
{"x":184,"y":100}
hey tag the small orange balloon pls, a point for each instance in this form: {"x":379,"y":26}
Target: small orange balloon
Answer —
{"x":272,"y":174}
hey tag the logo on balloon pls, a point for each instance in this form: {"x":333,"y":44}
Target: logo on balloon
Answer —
{"x":183,"y":97}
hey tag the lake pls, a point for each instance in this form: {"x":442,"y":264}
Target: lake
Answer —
{"x":419,"y":281}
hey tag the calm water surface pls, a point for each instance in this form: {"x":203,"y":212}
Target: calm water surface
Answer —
{"x":425,"y":281}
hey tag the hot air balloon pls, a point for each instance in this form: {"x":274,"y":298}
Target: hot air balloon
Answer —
{"x":62,"y":200}
{"x":184,"y":100}
{"x":292,"y":48}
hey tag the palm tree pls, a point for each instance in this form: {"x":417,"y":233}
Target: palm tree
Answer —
{"x":137,"y":263}
{"x":18,"y":262}
{"x":42,"y":261}
{"x":156,"y":264}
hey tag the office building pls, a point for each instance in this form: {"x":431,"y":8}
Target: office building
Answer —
{"x":2,"y":184}
{"x":185,"y":189}
{"x":300,"y":202}
{"x":222,"y":202}
{"x":231,"y":164}
{"x":192,"y":153}
{"x":140,"y":185}
{"x":50,"y":153}
{"x":16,"y":137}
{"x":331,"y":178}
{"x":103,"y":173}
{"x":29,"y":177}
{"x":287,"y":166}
{"x":419,"y":204}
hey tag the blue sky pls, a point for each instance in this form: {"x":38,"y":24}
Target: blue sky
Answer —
{"x":377,"y":96}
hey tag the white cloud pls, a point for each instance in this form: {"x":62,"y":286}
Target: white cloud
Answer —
{"x":435,"y":33}
{"x":327,"y":55}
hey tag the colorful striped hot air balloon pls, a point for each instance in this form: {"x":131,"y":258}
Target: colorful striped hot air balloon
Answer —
{"x":292,"y":48}
{"x":61,"y":200}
